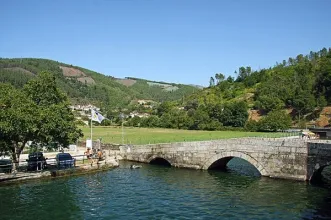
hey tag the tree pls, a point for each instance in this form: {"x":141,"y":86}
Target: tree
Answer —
{"x":135,"y":121}
{"x":39,"y":113}
{"x":275,"y":120}
{"x":199,"y":119}
{"x":165,"y":121}
{"x":268,"y":103}
{"x":56,"y":122}
{"x":17,"y":121}
{"x":219,"y":77}
{"x":304,"y":103}
{"x":234,"y":114}
{"x":211,"y":82}
{"x":252,"y":125}
{"x":151,"y":122}
{"x":243,"y":73}
{"x":164,"y":107}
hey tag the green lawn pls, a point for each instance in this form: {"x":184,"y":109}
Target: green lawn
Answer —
{"x":159,"y":135}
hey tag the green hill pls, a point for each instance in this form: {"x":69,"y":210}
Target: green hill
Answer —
{"x":291,"y":93}
{"x":301,"y":85}
{"x":85,"y":86}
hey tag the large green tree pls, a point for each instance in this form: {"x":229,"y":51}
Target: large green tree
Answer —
{"x":275,"y":120}
{"x":39,"y":113}
{"x":234,"y":114}
{"x":17,"y":121}
{"x":268,"y":103}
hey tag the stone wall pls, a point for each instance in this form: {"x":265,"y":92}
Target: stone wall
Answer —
{"x":112,"y":150}
{"x":96,"y":144}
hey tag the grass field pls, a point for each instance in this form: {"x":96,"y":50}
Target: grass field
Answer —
{"x":158,"y":135}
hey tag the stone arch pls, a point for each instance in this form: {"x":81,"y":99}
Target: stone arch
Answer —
{"x":228,"y":155}
{"x":155,"y":157}
{"x":316,"y":176}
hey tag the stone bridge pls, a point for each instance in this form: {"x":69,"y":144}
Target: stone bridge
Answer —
{"x":273,"y":157}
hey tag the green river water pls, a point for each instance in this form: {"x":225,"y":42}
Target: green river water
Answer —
{"x":157,"y":192}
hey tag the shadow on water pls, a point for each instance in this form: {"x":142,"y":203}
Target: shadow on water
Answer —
{"x":235,"y":165}
{"x":322,"y":208}
{"x":235,"y":173}
{"x":160,"y":161}
{"x":322,"y":177}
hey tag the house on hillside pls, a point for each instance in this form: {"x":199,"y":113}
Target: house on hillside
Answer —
{"x":146,"y":103}
{"x":83,"y":111}
{"x":83,"y":107}
{"x":137,"y":114}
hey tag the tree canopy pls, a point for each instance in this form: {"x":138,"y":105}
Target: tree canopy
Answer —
{"x":39,"y":113}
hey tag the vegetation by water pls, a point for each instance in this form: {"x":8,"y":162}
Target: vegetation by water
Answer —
{"x":158,"y":135}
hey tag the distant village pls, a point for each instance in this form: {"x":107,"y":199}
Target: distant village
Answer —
{"x":84,"y":111}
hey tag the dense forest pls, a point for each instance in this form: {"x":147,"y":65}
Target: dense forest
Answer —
{"x":291,"y":93}
{"x":84,"y":86}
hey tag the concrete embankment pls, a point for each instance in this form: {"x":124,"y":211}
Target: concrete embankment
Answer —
{"x":79,"y":169}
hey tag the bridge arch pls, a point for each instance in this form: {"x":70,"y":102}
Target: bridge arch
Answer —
{"x":222,"y":158}
{"x":317,"y":176}
{"x":157,"y":159}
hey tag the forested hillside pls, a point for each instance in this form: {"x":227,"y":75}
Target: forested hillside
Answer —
{"x":292,"y":93}
{"x":84,"y":86}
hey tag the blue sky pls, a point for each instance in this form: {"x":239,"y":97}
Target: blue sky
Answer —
{"x":181,"y":41}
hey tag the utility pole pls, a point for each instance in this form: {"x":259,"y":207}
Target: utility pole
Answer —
{"x":122,"y":117}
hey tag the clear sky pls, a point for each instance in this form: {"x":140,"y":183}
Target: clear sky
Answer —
{"x":181,"y":41}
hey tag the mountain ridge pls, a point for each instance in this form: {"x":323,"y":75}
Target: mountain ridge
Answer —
{"x":83,"y":85}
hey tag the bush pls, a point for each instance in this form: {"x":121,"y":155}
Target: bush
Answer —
{"x":275,"y":120}
{"x":252,"y":125}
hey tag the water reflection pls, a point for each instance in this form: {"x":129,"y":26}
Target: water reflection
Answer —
{"x":39,"y":200}
{"x":242,"y":167}
{"x":159,"y":192}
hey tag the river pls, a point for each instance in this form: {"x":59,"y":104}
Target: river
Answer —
{"x":157,"y":192}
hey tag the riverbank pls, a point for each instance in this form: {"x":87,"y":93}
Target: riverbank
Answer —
{"x":79,"y":169}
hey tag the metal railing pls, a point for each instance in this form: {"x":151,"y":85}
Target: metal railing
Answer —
{"x":48,"y":163}
{"x":6,"y":168}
